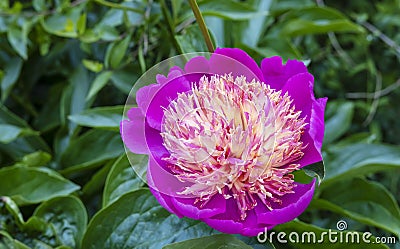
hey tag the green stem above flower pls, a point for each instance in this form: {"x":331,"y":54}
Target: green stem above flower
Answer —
{"x":202,"y":25}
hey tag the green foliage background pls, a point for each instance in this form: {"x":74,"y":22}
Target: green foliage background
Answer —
{"x":67,"y":68}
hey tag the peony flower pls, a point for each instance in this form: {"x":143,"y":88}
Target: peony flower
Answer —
{"x":224,"y":136}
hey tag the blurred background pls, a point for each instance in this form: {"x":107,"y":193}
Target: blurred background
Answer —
{"x":67,"y":68}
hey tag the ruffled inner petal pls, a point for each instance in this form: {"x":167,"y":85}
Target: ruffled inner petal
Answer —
{"x":165,"y":94}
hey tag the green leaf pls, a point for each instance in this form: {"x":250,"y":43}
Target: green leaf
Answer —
{"x":93,"y":66}
{"x":22,"y":145}
{"x":359,"y":159}
{"x":81,"y":24}
{"x":8,"y":117}
{"x":317,"y":20}
{"x":339,"y":120}
{"x":229,"y":10}
{"x":256,"y":25}
{"x":36,"y":159}
{"x":315,"y":170}
{"x":306,"y":237}
{"x":91,"y":149}
{"x":191,"y":40}
{"x":11,"y":74}
{"x":108,"y":117}
{"x":99,"y":82}
{"x":5,"y":5}
{"x":105,"y":33}
{"x":367,"y":202}
{"x":80,"y":84}
{"x":72,"y":102}
{"x":68,"y":216}
{"x":27,"y":185}
{"x":38,"y":233}
{"x":210,"y":242}
{"x":49,"y":115}
{"x":116,"y":52}
{"x":63,"y":24}
{"x":39,"y":5}
{"x":124,"y":80}
{"x":276,"y":46}
{"x":9,"y":133}
{"x":122,"y":178}
{"x":13,"y":209}
{"x":8,"y":242}
{"x":18,"y":40}
{"x":135,"y":217}
{"x":73,"y":99}
{"x":96,"y":183}
{"x":255,"y":243}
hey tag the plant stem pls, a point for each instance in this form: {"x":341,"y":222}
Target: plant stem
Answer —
{"x":202,"y":25}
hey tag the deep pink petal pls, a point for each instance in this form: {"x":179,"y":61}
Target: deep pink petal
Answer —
{"x":292,"y":205}
{"x":143,"y":136}
{"x":163,"y":181}
{"x":314,"y":135}
{"x":165,"y":94}
{"x":163,"y":199}
{"x":300,"y":89}
{"x":317,"y":126}
{"x":230,"y":222}
{"x":132,"y":132}
{"x":186,"y":206}
{"x":197,"y":64}
{"x":173,"y":73}
{"x":154,"y":142}
{"x":144,"y":95}
{"x":276,"y":74}
{"x":235,"y":61}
